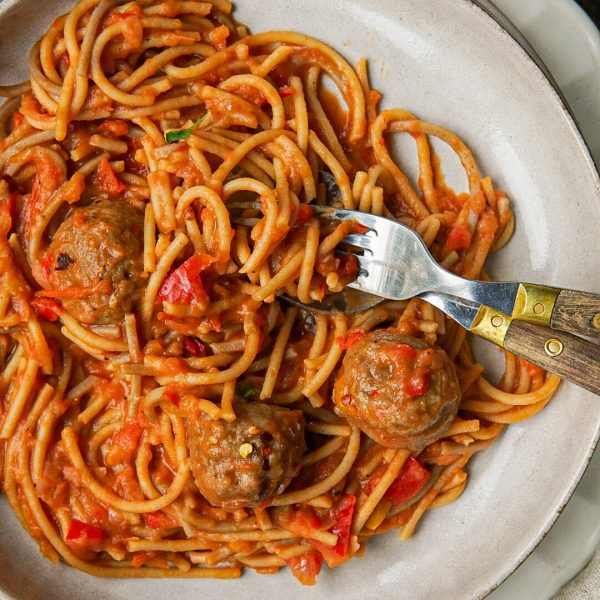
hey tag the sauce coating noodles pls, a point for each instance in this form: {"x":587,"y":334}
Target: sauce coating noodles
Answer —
{"x":158,"y":171}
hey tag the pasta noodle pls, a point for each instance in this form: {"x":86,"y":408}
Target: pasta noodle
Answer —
{"x":157,"y":176}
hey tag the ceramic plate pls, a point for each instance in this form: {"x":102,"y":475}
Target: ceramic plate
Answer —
{"x":450,"y":63}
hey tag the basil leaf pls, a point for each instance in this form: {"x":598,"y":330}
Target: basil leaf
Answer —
{"x":181,"y":134}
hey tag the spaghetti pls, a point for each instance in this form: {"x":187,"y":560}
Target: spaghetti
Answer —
{"x":162,"y":413}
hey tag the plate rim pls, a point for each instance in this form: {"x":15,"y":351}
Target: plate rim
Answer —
{"x":505,"y":27}
{"x":508,"y":28}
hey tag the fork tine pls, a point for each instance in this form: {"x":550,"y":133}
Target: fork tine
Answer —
{"x":365,"y":242}
{"x":363,"y":262}
{"x":245,"y":221}
{"x":341,"y":214}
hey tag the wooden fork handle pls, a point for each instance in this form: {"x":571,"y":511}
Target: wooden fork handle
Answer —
{"x":566,"y":355}
{"x":562,"y":309}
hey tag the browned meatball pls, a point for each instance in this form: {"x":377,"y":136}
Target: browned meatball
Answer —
{"x":241,"y":464}
{"x":398,"y":390}
{"x":97,"y":253}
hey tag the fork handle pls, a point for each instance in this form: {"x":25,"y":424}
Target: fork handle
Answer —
{"x":577,"y":312}
{"x":567,"y":355}
{"x":562,"y":309}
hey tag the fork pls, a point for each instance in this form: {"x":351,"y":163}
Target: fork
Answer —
{"x":520,"y":317}
{"x":395,"y":264}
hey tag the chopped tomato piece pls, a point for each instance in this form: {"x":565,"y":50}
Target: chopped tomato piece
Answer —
{"x":349,"y":266}
{"x":305,"y":214}
{"x":405,"y":352}
{"x":159,"y":520}
{"x":342,"y":514}
{"x":218,"y":37}
{"x":301,"y":521}
{"x":459,"y":238}
{"x":286,"y":91}
{"x":84,"y":532}
{"x":172,"y":396}
{"x":306,"y":567}
{"x":99,"y":513}
{"x":418,"y":384}
{"x":73,"y":188}
{"x":358,"y":228}
{"x":133,"y":10}
{"x":184,"y":285}
{"x":193,"y":346}
{"x":141,"y":558}
{"x":46,"y":308}
{"x":46,"y":264}
{"x":124,"y":444}
{"x":350,"y":339}
{"x":534,"y":370}
{"x":108,"y":180}
{"x":114,"y":127}
{"x":410,"y":482}
{"x":17,"y":120}
{"x":131,"y":164}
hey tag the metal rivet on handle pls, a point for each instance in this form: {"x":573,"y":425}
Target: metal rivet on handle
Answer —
{"x":596,"y":321}
{"x":497,"y":321}
{"x":553,"y":347}
{"x":539,"y":308}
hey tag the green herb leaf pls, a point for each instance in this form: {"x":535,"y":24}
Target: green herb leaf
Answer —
{"x":181,"y":134}
{"x":247,"y":391}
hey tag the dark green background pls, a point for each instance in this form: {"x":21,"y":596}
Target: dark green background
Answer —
{"x":592,"y":7}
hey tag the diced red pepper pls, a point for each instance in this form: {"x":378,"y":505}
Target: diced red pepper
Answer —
{"x":306,"y":567}
{"x":342,"y":514}
{"x":410,"y":482}
{"x":184,"y":285}
{"x":350,"y":339}
{"x":46,"y":308}
{"x":108,"y":180}
{"x":459,"y":238}
{"x":84,"y":532}
{"x":286,"y":91}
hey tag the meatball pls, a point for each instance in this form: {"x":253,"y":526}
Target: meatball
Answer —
{"x":241,"y":464}
{"x":398,"y":390}
{"x":97,"y":252}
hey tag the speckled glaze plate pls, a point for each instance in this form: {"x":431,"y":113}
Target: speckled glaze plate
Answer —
{"x":451,"y":63}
